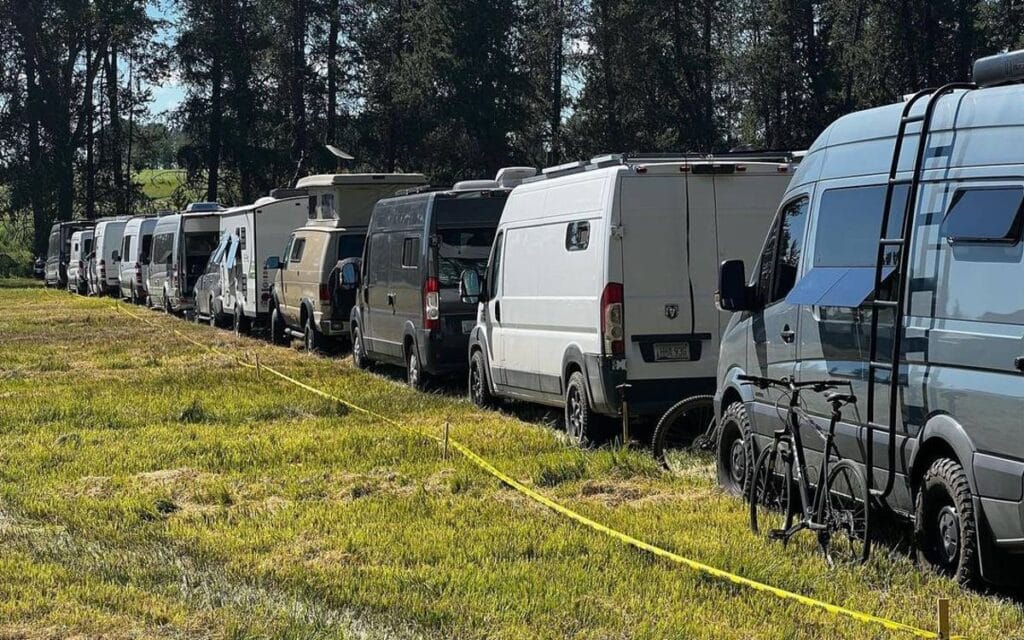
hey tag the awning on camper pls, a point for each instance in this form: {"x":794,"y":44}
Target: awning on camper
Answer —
{"x":232,"y":252}
{"x":218,"y":253}
{"x":836,"y":286}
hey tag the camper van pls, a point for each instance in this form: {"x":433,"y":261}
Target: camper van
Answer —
{"x":942,"y":263}
{"x":339,"y":213}
{"x":107,"y":244}
{"x":601,"y":276}
{"x":59,"y":250}
{"x":136,"y":242}
{"x":251,"y":234}
{"x":408,"y":310}
{"x":78,"y":273}
{"x":182,"y":244}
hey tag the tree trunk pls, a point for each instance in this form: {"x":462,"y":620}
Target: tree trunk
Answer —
{"x":332,"y":72}
{"x":90,"y":140}
{"x":611,"y":107}
{"x":214,"y":134}
{"x":297,"y":83}
{"x":557,"y":70}
{"x":116,"y":160}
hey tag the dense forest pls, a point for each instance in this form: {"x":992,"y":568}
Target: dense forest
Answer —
{"x":452,"y":88}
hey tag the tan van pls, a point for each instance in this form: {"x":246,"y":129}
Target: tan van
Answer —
{"x":304,"y":301}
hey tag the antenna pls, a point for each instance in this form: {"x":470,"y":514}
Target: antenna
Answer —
{"x":342,"y":156}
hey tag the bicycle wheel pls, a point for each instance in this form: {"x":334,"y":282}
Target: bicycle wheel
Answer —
{"x":847,"y":539}
{"x":770,"y":492}
{"x":681,"y":430}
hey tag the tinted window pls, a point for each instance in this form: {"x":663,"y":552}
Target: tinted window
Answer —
{"x":780,"y":260}
{"x":86,"y":246}
{"x":466,"y":211}
{"x":350,"y":246}
{"x":411,"y":253}
{"x":985,"y":215}
{"x":577,"y":236}
{"x":849,"y":225}
{"x":163,"y":248}
{"x":201,"y":244}
{"x":147,"y":244}
{"x":462,"y":249}
{"x":298,"y":247}
{"x":327,"y":206}
{"x":126,"y":248}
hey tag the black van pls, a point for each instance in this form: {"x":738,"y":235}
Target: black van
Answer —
{"x":408,"y":310}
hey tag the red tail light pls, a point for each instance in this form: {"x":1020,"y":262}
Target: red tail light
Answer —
{"x":612,"y":330}
{"x":325,"y":294}
{"x":432,"y":304}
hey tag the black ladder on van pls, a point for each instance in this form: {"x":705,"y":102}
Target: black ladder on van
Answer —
{"x":900,"y":267}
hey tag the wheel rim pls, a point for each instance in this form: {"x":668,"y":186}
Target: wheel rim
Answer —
{"x":414,"y":370}
{"x":949,"y":535}
{"x":476,"y":382}
{"x":575,"y":414}
{"x":846,"y":540}
{"x":737,"y":461}
{"x":769,"y":495}
{"x":357,"y":347}
{"x":682,"y":431}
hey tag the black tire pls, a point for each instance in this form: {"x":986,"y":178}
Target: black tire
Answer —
{"x":770,"y":493}
{"x":734,"y":451}
{"x":679,"y":430}
{"x":945,"y":527}
{"x":848,"y":538}
{"x":311,"y":338}
{"x":415,"y":376}
{"x":277,"y":334}
{"x":359,"y":359}
{"x":583,"y":426}
{"x":479,"y":389}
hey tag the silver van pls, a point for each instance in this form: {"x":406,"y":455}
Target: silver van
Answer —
{"x":182,"y":244}
{"x":843,"y":265}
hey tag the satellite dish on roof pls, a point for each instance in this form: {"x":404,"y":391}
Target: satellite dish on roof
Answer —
{"x":341,"y":155}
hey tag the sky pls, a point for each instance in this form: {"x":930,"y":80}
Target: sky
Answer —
{"x":169,"y":94}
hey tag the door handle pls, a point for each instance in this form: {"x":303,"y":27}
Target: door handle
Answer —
{"x":1018,"y":363}
{"x":497,"y":311}
{"x":391,"y":299}
{"x":788,"y":335}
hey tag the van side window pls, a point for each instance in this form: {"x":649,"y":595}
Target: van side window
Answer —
{"x":411,"y":253}
{"x":163,"y":248}
{"x":327,"y":206}
{"x":780,"y":261}
{"x":577,"y":236}
{"x":147,"y":245}
{"x":848,"y":224}
{"x":298,"y":246}
{"x":126,"y":248}
{"x":985,"y":214}
{"x":494,"y":277}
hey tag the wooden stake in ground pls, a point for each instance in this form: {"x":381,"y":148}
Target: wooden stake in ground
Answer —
{"x":943,"y":615}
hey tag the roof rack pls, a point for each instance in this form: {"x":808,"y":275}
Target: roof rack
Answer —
{"x":630,"y":159}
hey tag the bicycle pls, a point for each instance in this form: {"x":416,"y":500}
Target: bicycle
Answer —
{"x":839,"y":509}
{"x":688,"y":427}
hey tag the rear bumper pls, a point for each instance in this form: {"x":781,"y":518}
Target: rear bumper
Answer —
{"x":646,"y":398}
{"x":604,"y":375}
{"x":334,"y":328}
{"x":443,"y":354}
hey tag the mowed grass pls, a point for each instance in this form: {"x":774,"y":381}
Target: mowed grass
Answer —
{"x":151,"y":489}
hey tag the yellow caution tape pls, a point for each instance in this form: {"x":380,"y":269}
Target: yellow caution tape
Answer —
{"x":486,"y":466}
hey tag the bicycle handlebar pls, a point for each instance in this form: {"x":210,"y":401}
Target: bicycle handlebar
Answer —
{"x":790,"y":384}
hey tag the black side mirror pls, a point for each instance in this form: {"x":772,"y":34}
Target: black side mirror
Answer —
{"x":273,"y":262}
{"x":471,"y":287}
{"x":733,"y":292}
{"x":349,"y":277}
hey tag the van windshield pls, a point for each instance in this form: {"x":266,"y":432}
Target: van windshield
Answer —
{"x":460,"y":250}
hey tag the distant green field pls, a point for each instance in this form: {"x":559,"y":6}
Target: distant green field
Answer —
{"x":151,"y":489}
{"x":158,"y":184}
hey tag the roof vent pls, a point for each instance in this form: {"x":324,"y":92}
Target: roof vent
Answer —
{"x":511,"y":177}
{"x":203,"y":207}
{"x":999,"y":69}
{"x":475,"y":185}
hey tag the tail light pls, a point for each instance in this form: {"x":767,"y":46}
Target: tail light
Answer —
{"x":612,"y":330}
{"x":431,"y":304}
{"x":325,"y":294}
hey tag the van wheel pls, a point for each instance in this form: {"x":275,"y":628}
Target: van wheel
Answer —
{"x":359,"y":359}
{"x":945,"y":529}
{"x":414,"y":374}
{"x":735,"y":452}
{"x":277,"y":335}
{"x":311,"y":338}
{"x":583,"y":426}
{"x":479,"y":390}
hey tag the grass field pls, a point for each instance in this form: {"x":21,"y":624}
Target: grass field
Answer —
{"x":151,"y":489}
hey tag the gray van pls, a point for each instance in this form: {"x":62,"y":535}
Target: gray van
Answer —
{"x":408,"y":310}
{"x":838,"y":272}
{"x":182,"y":244}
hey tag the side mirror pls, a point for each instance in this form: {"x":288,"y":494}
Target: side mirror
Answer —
{"x":470,"y":287}
{"x":273,"y":262}
{"x":116,"y":256}
{"x":349,"y":276}
{"x":733,"y":292}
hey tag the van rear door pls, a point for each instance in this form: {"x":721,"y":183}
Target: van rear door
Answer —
{"x":669,"y":261}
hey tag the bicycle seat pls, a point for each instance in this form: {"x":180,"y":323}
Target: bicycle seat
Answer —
{"x":845,"y":398}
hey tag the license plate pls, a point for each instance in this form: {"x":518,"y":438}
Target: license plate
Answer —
{"x":467,"y":326}
{"x":672,"y":351}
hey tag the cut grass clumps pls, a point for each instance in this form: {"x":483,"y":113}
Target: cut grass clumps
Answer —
{"x":193,"y":499}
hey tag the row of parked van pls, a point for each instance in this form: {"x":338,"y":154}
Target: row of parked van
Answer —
{"x":593,"y":285}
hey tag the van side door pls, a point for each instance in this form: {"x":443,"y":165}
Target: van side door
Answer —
{"x":773,"y":329}
{"x":408,"y":272}
{"x":291,"y":297}
{"x":377,"y":308}
{"x":491,"y":311}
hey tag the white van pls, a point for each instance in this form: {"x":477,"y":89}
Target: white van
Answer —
{"x":107,"y":242}
{"x":182,"y":245}
{"x":603,"y":274}
{"x":78,"y":272}
{"x":136,"y":242}
{"x":255,"y":232}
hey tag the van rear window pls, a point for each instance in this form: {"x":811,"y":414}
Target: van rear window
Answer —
{"x":988,"y":214}
{"x":849,"y":221}
{"x":460,"y":250}
{"x":201,"y":244}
